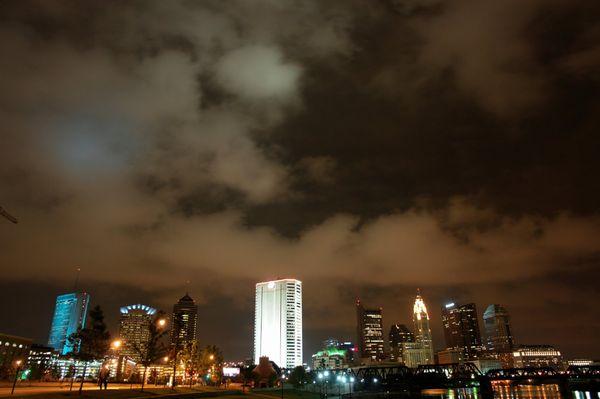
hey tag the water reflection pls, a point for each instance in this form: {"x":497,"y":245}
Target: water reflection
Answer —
{"x":544,"y":391}
{"x":508,"y":391}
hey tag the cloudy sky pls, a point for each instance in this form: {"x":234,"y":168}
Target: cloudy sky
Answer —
{"x":367,"y":148}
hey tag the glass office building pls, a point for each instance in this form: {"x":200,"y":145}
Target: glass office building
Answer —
{"x":70,"y":313}
{"x":369,"y":332}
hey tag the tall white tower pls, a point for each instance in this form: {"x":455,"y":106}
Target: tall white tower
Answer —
{"x":278,"y":322}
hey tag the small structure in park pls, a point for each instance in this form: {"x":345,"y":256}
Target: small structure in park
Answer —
{"x":265,"y":373}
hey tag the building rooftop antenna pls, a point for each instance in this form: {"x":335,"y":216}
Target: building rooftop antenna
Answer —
{"x":77,"y":279}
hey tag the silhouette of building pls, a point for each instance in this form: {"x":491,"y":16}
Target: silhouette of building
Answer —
{"x":461,"y":329}
{"x":369,"y":333}
{"x":422,"y":331}
{"x":134,"y":328}
{"x":496,"y":322}
{"x":498,"y":334}
{"x":398,"y":335}
{"x":185,"y":318}
{"x":70,"y":314}
{"x":278,"y":322}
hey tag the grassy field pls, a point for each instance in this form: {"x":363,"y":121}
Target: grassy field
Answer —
{"x":125,"y":393}
{"x":168,"y":393}
{"x":287,"y":394}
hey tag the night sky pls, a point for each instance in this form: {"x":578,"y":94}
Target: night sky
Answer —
{"x":368,"y":148}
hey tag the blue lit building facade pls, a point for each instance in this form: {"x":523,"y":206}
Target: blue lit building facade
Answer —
{"x":70,"y":314}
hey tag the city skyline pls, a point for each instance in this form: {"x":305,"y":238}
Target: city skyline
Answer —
{"x":313,"y":345}
{"x":365,"y":148}
{"x":495,"y":333}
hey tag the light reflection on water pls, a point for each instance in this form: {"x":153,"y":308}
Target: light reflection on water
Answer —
{"x":544,"y":391}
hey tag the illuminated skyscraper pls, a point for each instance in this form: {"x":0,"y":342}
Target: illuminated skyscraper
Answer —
{"x":496,"y":322}
{"x":70,"y":313}
{"x":278,"y":322}
{"x":134,"y":328}
{"x":461,"y":329}
{"x":369,"y":323}
{"x":185,"y":316}
{"x":422,"y":330}
{"x":399,"y":334}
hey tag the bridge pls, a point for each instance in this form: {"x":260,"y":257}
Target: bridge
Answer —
{"x":398,"y":378}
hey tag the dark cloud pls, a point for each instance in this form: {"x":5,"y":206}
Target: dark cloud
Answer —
{"x":367,"y":148}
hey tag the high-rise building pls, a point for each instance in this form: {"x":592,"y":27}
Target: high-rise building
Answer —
{"x":369,"y":324}
{"x":134,"y":328}
{"x":422,"y":331}
{"x":461,"y":329}
{"x":399,"y":334}
{"x":185,"y":316}
{"x":496,"y":322}
{"x":278,"y":322}
{"x":70,"y":313}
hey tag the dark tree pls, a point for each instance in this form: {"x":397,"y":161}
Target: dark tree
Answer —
{"x":91,"y":342}
{"x":298,"y":376}
{"x":192,"y":357}
{"x":154,"y":348}
{"x":211,"y":361}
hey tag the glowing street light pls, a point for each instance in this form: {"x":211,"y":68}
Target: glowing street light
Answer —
{"x":162,"y":322}
{"x":18,"y":369}
{"x":116,"y":344}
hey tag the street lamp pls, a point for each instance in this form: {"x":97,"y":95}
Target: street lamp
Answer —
{"x":161,"y":323}
{"x":17,"y":370}
{"x":116,"y":344}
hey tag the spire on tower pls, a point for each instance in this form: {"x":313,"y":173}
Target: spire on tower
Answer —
{"x":77,"y":279}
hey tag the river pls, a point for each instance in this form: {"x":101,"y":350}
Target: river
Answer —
{"x":542,"y":391}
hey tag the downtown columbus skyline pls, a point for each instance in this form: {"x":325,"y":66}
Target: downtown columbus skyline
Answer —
{"x":365,"y":148}
{"x":250,"y":351}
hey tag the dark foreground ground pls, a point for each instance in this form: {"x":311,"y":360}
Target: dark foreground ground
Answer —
{"x":124,"y":391}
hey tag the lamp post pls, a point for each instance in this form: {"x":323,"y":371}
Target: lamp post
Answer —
{"x":115,"y":346}
{"x":166,"y":360}
{"x":211,"y":357}
{"x":320,"y":377}
{"x":17,"y":370}
{"x":175,"y":349}
{"x":282,"y":379}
